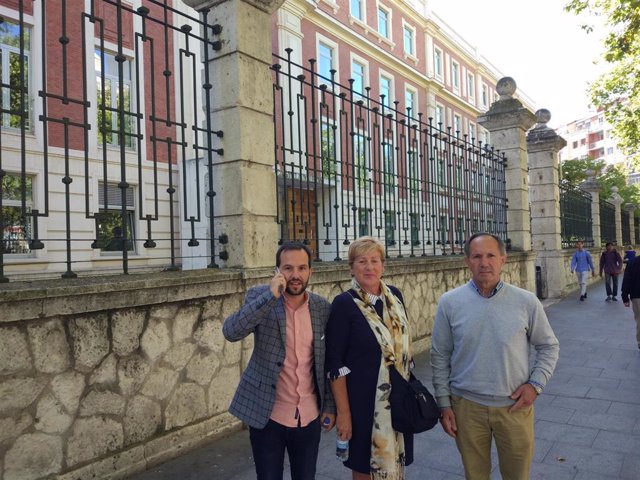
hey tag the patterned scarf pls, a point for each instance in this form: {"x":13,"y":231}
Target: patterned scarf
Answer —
{"x":392,"y":333}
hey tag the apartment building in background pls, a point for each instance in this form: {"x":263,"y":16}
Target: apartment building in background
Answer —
{"x":103,"y":97}
{"x":400,"y":49}
{"x":399,"y":58}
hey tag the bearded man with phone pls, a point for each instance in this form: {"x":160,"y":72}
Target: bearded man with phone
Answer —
{"x":283,"y":395}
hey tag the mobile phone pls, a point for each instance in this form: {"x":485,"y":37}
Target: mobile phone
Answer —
{"x":280,"y":287}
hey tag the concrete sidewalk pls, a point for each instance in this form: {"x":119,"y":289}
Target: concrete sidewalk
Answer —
{"x":587,"y":420}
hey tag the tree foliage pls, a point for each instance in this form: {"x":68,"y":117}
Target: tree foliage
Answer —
{"x":618,"y":91}
{"x":577,"y":171}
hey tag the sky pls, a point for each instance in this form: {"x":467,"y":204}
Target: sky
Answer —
{"x":536,"y":43}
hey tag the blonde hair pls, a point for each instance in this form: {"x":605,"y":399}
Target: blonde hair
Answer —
{"x":364,"y":245}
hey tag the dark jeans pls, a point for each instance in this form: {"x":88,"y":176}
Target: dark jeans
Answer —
{"x":608,"y":280}
{"x":269,"y":443}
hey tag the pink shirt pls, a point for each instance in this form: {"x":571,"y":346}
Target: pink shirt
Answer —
{"x":296,"y":402}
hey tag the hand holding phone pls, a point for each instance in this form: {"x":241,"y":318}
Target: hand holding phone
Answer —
{"x":278,"y":283}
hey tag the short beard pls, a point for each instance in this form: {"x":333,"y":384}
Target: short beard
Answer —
{"x":302,"y":290}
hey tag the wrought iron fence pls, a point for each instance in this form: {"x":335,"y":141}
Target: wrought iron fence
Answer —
{"x":607,"y":222}
{"x":626,"y":227}
{"x":349,"y":165}
{"x":103,"y":127}
{"x":575,"y":215}
{"x":636,"y":229}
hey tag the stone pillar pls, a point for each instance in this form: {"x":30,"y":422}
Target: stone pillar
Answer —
{"x":242,"y":108}
{"x":591,"y":186}
{"x":543,"y":145}
{"x":508,"y":121}
{"x":616,"y":199}
{"x":630,"y":208}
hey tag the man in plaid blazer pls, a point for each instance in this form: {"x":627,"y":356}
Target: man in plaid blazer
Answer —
{"x":283,"y":390}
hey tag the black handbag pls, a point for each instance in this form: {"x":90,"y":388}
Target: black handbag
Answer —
{"x":413,"y":408}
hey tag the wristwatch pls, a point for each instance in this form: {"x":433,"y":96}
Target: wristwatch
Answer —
{"x":536,"y":387}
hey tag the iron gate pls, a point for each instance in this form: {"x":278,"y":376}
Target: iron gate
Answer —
{"x":102,"y":109}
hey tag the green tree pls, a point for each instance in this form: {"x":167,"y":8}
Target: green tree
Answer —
{"x":608,"y":176}
{"x":618,"y":91}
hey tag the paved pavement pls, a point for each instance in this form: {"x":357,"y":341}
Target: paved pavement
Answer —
{"x":587,"y":420}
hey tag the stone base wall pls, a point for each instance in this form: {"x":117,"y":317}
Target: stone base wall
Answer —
{"x":103,"y":377}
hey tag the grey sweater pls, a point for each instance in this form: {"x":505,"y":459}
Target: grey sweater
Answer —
{"x":480,"y":346}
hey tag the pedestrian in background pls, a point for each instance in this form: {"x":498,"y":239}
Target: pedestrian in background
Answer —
{"x":631,"y":292}
{"x":611,"y":265}
{"x":283,"y":389}
{"x":485,"y":385}
{"x":581,"y":263}
{"x":629,"y":254}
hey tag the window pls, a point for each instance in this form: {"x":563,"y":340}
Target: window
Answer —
{"x":361,"y":171}
{"x":389,"y":228}
{"x":610,"y":151}
{"x":383,"y":22}
{"x":439,"y":116}
{"x":455,"y":75}
{"x":485,"y":95}
{"x":325,"y":60}
{"x":363,"y":222}
{"x":358,"y":76}
{"x":357,"y":9}
{"x":437,"y":62}
{"x":328,"y":149}
{"x":410,"y":102}
{"x":414,"y":170}
{"x":108,"y":102}
{"x":457,"y":124}
{"x":389,"y":167}
{"x":472,"y":133}
{"x":10,"y":65}
{"x":386,"y":90}
{"x":575,"y":144}
{"x":583,"y":141}
{"x":109,"y":234}
{"x":16,"y":233}
{"x":471,"y":86}
{"x":408,"y":40}
{"x":415,"y":228}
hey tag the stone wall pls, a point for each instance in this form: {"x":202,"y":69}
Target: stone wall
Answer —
{"x":103,"y":377}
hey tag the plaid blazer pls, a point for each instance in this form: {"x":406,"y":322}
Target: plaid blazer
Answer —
{"x":264,"y":316}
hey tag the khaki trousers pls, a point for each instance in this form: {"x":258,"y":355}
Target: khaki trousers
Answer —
{"x":513,"y":433}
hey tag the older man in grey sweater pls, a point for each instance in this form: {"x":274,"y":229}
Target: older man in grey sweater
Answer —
{"x":484,"y":383}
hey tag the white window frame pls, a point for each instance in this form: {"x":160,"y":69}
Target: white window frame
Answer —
{"x":17,"y":203}
{"x":363,"y":11}
{"x":7,"y":51}
{"x":334,"y":49}
{"x":457,"y":124}
{"x":116,"y":208}
{"x":409,"y":90}
{"x":440,"y":111}
{"x":389,"y":13}
{"x":114,"y":94}
{"x":473,"y":133}
{"x":355,"y":59}
{"x":471,"y":87}
{"x":408,"y":27}
{"x":389,"y":100}
{"x":438,"y":67}
{"x":455,"y":75}
{"x":484,"y":93}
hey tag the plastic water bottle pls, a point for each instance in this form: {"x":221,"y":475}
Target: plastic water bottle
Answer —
{"x":342,"y":449}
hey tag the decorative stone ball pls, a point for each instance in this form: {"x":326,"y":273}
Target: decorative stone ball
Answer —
{"x":506,"y":87}
{"x":543,"y":116}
